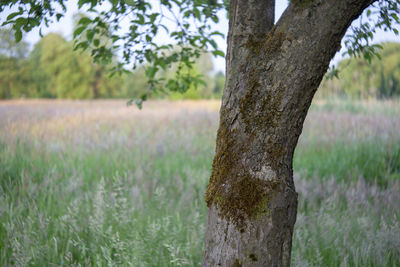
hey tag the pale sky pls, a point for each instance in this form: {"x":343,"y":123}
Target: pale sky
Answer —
{"x":64,"y":27}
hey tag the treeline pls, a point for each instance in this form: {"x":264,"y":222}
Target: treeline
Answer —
{"x":54,"y":70}
{"x":360,"y":80}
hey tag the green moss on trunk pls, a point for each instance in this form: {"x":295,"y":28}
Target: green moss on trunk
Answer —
{"x":237,"y":263}
{"x":237,"y":193}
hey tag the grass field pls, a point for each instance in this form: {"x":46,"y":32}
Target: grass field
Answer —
{"x":96,"y":183}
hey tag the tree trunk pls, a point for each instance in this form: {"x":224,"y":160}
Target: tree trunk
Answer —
{"x":96,"y":84}
{"x":272,"y":74}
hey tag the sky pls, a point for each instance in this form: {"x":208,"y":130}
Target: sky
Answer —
{"x":65,"y":25}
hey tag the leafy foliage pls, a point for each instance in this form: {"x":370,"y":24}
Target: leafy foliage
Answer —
{"x":381,"y":15}
{"x":188,"y":22}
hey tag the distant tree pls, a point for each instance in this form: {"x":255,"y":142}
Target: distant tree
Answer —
{"x":52,"y":69}
{"x":9,"y":47}
{"x":69,"y":75}
{"x":101,"y":83}
{"x":65,"y":73}
{"x":219,"y":84}
{"x":40,"y":77}
{"x":135,"y":84}
{"x":389,"y":70}
{"x":14,"y":75}
{"x":361,"y":79}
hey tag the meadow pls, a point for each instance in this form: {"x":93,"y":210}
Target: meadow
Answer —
{"x":97,"y":183}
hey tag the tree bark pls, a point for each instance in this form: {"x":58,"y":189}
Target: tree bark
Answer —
{"x":272,"y":74}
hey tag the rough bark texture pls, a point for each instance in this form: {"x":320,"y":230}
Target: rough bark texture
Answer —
{"x":272,"y":75}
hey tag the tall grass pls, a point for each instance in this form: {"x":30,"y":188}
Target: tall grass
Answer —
{"x":97,"y":183}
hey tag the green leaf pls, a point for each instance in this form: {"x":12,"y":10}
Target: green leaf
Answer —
{"x":153,"y":17}
{"x":34,"y":22}
{"x":197,"y":13}
{"x":12,"y":15}
{"x":82,"y":45}
{"x":79,"y":30}
{"x":6,"y":22}
{"x":367,"y":56}
{"x":162,"y":64}
{"x":96,"y":42}
{"x":19,"y":22}
{"x":89,"y":35}
{"x":147,"y":56}
{"x":139,"y":103}
{"x":141,"y":19}
{"x":395,"y":17}
{"x":148,"y":38}
{"x":18,"y":35}
{"x":82,"y":2}
{"x":333,"y":72}
{"x":129,"y":102}
{"x":218,"y":53}
{"x":115,"y":38}
{"x":130,"y":2}
{"x":84,"y":21}
{"x":151,"y":72}
{"x":217,"y":33}
{"x":59,"y":16}
{"x":213,"y":43}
